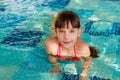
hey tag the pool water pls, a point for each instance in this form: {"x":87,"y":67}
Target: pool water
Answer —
{"x":24,"y":27}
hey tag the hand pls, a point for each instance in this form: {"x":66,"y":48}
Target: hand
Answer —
{"x":55,"y":69}
{"x":83,"y":76}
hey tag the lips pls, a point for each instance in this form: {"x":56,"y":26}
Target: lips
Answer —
{"x":67,"y":42}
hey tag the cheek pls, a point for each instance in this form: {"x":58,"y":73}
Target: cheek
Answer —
{"x":60,"y":38}
{"x":74,"y":36}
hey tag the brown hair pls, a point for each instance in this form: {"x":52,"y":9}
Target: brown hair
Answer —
{"x":66,"y":17}
{"x":93,"y":52}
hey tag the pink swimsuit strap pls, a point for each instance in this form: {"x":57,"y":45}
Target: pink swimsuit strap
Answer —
{"x":58,"y":55}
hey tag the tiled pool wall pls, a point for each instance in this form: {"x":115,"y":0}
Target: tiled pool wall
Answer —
{"x":26,"y":23}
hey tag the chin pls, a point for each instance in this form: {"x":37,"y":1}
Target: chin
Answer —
{"x":67,"y":45}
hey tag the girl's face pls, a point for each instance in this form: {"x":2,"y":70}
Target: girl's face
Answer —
{"x":68,"y":35}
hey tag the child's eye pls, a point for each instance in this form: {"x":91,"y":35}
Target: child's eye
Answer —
{"x":61,"y":31}
{"x":72,"y":31}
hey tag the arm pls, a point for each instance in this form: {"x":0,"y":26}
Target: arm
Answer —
{"x":56,"y":68}
{"x":52,"y":60}
{"x":86,"y":64}
{"x":88,"y":60}
{"x":85,"y":67}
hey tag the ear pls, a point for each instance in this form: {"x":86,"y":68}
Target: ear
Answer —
{"x":56,"y":31}
{"x":79,"y":31}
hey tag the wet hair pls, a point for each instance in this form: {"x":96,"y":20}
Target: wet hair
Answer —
{"x":93,"y":52}
{"x":65,"y":17}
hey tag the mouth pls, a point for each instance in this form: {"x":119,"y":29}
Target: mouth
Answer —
{"x":67,"y":42}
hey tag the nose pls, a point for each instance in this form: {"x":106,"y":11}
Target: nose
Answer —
{"x":66,"y":35}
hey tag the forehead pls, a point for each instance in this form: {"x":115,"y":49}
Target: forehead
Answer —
{"x":67,"y":24}
{"x":67,"y":28}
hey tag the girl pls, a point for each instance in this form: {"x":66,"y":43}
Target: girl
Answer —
{"x":66,"y":45}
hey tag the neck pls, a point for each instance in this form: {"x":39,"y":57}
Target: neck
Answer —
{"x":67,"y":50}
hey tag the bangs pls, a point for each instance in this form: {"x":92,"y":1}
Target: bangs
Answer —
{"x":64,"y":18}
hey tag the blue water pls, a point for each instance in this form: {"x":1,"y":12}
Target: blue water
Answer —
{"x":24,"y":26}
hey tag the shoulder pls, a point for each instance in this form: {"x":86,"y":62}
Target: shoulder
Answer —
{"x":51,"y":45}
{"x":83,"y":49}
{"x":51,"y":41}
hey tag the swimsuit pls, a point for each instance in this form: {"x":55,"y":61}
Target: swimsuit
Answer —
{"x":58,"y":55}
